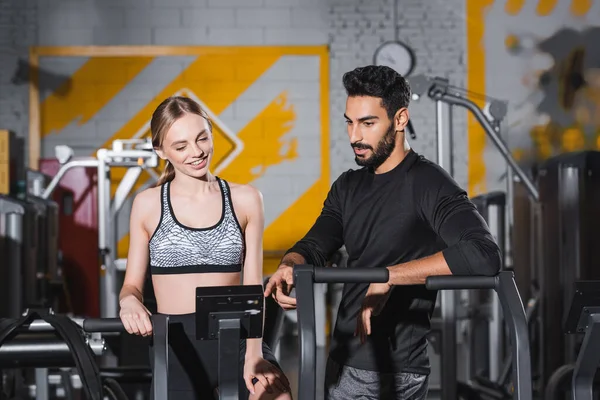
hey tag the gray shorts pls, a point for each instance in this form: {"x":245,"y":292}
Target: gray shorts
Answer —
{"x":343,"y":383}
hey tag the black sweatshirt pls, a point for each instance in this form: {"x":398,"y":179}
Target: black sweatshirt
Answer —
{"x":410,"y":212}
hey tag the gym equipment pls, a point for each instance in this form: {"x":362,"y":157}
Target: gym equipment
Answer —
{"x":514,"y":314}
{"x":445,"y":96}
{"x":41,"y":339}
{"x":569,"y":197}
{"x":22,"y":247}
{"x":47,"y":271}
{"x":134,"y":154}
{"x":12,"y":215}
{"x":305,"y":276}
{"x":223,"y":313}
{"x":480,"y":345}
{"x":583,"y":317}
{"x":229,"y":314}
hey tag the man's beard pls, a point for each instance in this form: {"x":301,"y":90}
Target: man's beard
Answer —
{"x":384,"y":149}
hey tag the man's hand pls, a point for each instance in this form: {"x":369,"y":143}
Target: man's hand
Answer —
{"x":373,"y":303}
{"x":280,"y":285}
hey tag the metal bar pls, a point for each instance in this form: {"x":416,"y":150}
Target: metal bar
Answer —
{"x":582,"y":384}
{"x":127,"y":183}
{"x":160,"y":380}
{"x":303,"y":281}
{"x":108,"y":296}
{"x":41,"y":384}
{"x":84,"y":163}
{"x":569,"y":198}
{"x":444,"y":136}
{"x":487,"y":126}
{"x":39,"y":325}
{"x":32,"y":350}
{"x":512,"y":308}
{"x":447,"y":298}
{"x":229,"y":358}
{"x":13,"y":214}
{"x":129,"y":153}
{"x":496,"y":327}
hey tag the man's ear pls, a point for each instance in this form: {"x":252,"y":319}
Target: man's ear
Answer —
{"x":401,"y":119}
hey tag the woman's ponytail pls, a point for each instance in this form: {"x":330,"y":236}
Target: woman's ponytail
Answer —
{"x":167,"y":175}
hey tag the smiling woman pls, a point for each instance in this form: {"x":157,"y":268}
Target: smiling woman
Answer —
{"x":195,"y":229}
{"x":168,"y":118}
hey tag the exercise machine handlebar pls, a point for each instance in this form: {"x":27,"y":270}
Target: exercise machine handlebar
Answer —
{"x":103,"y":325}
{"x":305,"y":276}
{"x":514,"y":313}
{"x":351,"y":275}
{"x":460,"y":282}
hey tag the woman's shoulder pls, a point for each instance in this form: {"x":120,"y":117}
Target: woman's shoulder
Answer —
{"x":147,"y":199}
{"x":245,"y":195}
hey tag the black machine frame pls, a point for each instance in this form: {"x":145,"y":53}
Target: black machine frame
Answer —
{"x":305,"y":276}
{"x":224,"y":313}
{"x":584,"y":316}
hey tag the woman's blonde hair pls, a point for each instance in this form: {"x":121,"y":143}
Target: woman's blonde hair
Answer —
{"x":165,"y":115}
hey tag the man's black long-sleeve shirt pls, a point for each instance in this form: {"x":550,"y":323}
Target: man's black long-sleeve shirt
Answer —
{"x":410,"y":212}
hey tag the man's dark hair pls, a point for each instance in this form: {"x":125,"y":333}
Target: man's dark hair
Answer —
{"x":379,"y":81}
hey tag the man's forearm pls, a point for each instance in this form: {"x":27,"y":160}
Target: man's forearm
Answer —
{"x":291,"y":259}
{"x":416,"y":272}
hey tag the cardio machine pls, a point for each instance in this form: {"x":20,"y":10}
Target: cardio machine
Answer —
{"x":305,"y":276}
{"x":223,"y":313}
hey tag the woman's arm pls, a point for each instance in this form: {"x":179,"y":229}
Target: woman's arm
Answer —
{"x":251,"y":202}
{"x":137,"y":257}
{"x":134,"y":315}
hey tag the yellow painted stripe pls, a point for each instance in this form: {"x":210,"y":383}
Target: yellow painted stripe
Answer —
{"x":476,"y":10}
{"x":512,"y":7}
{"x":545,"y":7}
{"x":218,"y":81}
{"x":580,"y":8}
{"x":293,"y":223}
{"x":200,"y":78}
{"x":158,"y":51}
{"x":263,"y":143}
{"x":88,"y":90}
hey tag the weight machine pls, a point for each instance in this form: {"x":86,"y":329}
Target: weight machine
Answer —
{"x":445,"y":97}
{"x":136,"y":155}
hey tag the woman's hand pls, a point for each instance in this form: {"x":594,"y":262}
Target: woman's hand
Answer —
{"x":135,"y":317}
{"x":273,"y":380}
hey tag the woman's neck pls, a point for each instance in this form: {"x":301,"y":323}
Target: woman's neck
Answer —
{"x":186,"y":184}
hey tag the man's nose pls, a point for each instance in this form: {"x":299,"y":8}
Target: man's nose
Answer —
{"x":354,"y":134}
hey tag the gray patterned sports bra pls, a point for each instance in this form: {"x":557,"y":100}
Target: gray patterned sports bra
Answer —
{"x":178,"y":249}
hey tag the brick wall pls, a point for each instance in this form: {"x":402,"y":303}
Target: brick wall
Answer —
{"x":18,"y":31}
{"x":352,"y":28}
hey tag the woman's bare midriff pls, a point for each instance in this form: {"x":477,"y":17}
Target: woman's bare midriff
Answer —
{"x":176,"y":294}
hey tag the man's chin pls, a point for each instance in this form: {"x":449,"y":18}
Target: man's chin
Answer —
{"x":361,"y":161}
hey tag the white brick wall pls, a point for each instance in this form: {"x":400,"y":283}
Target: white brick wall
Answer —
{"x":352,"y":28}
{"x":436,"y":32}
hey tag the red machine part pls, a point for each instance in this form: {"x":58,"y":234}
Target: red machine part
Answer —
{"x":77,"y":197}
